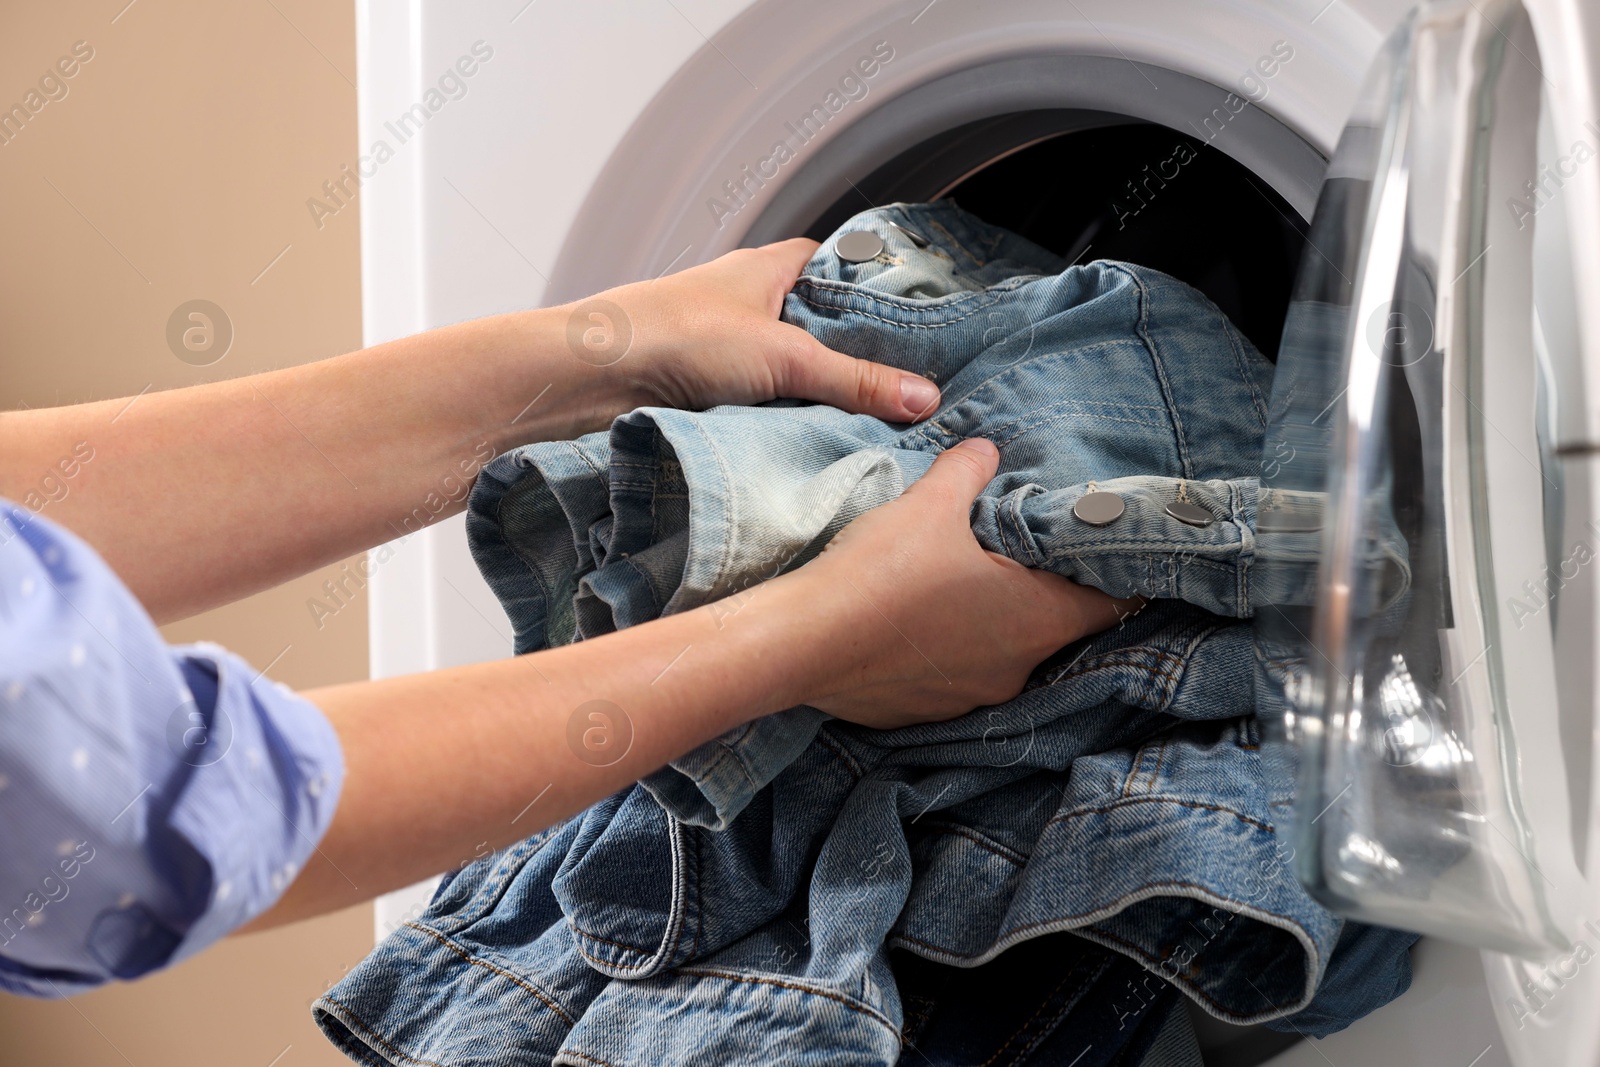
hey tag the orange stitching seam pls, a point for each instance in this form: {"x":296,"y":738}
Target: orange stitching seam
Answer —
{"x":1036,"y":1013}
{"x":580,"y":931}
{"x":957,"y":831}
{"x":861,"y":1008}
{"x":586,"y":1056}
{"x":486,"y":965}
{"x":364,"y":1025}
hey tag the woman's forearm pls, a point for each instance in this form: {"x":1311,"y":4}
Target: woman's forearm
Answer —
{"x":444,"y":767}
{"x":203,"y":495}
{"x":441,"y":768}
{"x":200,"y":496}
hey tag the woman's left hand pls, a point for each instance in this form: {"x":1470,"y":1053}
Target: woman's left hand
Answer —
{"x":711,"y":335}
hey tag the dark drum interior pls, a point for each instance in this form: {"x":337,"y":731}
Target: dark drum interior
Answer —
{"x":1108,"y":188}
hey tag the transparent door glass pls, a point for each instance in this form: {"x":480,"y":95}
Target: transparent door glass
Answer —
{"x":1412,"y":690}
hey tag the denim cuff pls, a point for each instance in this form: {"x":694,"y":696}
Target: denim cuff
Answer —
{"x":1144,"y":551}
{"x":1222,"y":566}
{"x":532,"y":523}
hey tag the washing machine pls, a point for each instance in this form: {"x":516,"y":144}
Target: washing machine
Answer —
{"x":1401,"y":205}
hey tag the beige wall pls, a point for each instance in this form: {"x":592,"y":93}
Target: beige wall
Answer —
{"x":177,"y":167}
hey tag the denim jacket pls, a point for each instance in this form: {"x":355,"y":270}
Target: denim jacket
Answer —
{"x":1084,"y":378}
{"x":740,"y":903}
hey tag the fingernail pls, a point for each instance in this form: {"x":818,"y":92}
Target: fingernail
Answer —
{"x":980,"y":444}
{"x":918,"y":394}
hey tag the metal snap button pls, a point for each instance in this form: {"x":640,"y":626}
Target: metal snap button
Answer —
{"x":1190,"y":514}
{"x":858,"y":246}
{"x":1098,"y":509}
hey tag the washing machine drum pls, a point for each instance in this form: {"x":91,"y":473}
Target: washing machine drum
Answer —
{"x":1150,"y":196}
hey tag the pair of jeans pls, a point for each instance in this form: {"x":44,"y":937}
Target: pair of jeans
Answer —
{"x":742,"y":903}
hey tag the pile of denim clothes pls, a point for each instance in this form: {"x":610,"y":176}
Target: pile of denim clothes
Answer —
{"x":1030,"y":883}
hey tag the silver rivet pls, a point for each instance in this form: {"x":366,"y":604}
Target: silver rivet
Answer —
{"x":1190,"y":514}
{"x":1098,"y":509}
{"x":858,"y":246}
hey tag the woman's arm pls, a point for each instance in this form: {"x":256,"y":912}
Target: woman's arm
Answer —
{"x":199,"y":496}
{"x":441,"y":767}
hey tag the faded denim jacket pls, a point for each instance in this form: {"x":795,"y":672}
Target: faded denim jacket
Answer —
{"x":740,"y":903}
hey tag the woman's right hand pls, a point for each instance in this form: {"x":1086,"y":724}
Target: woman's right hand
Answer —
{"x":904,"y":619}
{"x":927,"y":625}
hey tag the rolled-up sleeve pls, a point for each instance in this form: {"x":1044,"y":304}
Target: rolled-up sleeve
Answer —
{"x":152,"y":798}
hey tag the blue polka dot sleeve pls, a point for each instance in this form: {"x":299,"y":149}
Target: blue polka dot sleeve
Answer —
{"x":152,"y":798}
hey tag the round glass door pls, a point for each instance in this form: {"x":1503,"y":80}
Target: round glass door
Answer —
{"x":1410,"y":507}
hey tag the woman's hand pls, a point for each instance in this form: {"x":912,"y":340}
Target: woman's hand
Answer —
{"x":929,"y":624}
{"x":380,"y":443}
{"x":710,"y":335}
{"x":904,"y":619}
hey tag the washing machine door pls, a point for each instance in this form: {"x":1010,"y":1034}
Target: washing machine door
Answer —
{"x":1428,"y":551}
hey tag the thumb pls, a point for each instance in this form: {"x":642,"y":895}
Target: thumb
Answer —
{"x":790,"y":257}
{"x":960,"y":473}
{"x":858,"y":386}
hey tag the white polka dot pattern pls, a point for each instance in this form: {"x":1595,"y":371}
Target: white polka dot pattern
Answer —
{"x":152,"y":799}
